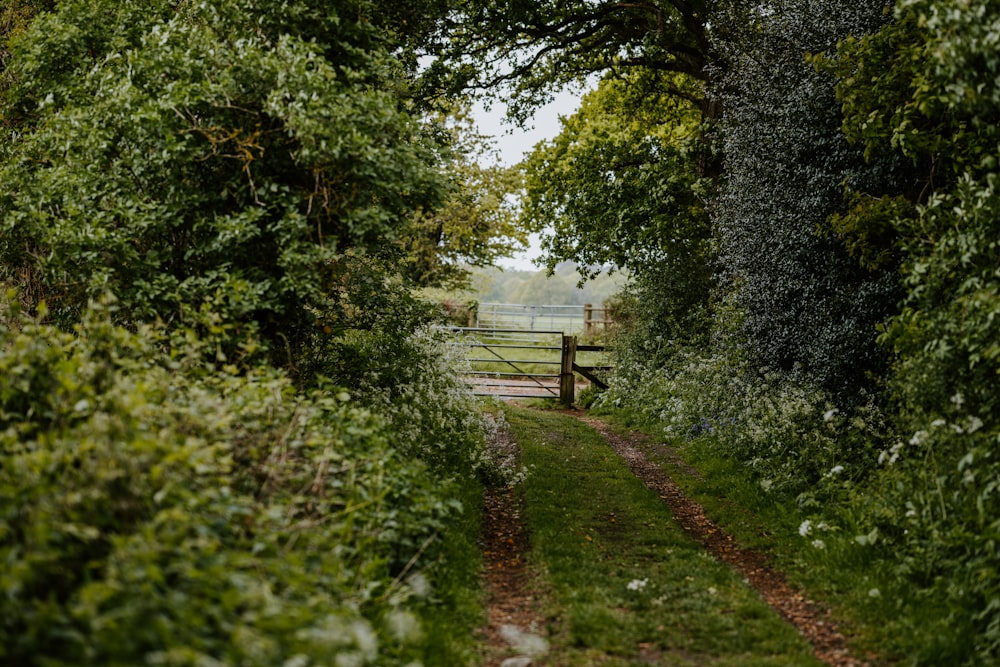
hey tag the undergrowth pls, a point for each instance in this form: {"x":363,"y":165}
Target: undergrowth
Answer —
{"x":817,"y":487}
{"x":162,"y":506}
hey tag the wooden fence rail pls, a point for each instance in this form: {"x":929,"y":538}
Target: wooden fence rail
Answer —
{"x":532,"y":384}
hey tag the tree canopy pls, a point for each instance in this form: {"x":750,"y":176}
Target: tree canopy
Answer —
{"x":618,"y":184}
{"x":477,"y":223}
{"x":222,"y":156}
{"x":532,"y":47}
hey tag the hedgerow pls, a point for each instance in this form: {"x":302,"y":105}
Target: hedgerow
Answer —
{"x":163,"y":508}
{"x":378,"y":339}
{"x":790,"y":435}
{"x":893,"y":448}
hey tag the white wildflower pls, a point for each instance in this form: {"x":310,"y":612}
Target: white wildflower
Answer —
{"x":420,"y":585}
{"x":805,"y":527}
{"x":819,"y":544}
{"x":403,"y":626}
{"x":637,"y":584}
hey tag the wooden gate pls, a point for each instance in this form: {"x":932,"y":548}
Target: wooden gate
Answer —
{"x":514,"y":363}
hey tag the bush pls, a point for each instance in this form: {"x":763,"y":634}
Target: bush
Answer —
{"x":934,"y":508}
{"x":222,"y":153}
{"x":944,"y":486}
{"x":788,"y":434}
{"x":379,"y":340}
{"x":160,"y":511}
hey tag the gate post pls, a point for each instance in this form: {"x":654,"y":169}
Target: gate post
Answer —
{"x":567,"y":384}
{"x":588,"y":319}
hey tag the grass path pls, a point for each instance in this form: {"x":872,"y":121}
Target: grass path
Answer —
{"x":624,"y":585}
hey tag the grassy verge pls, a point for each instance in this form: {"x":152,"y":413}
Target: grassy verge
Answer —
{"x":827,"y":563}
{"x":454,"y":609}
{"x":628,"y":587}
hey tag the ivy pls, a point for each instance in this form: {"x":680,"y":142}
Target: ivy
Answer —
{"x":810,"y":309}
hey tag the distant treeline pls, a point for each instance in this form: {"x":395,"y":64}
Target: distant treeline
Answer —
{"x":494,"y":285}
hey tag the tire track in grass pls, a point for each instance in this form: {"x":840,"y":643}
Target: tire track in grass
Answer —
{"x":513,"y":620}
{"x":623,"y":585}
{"x":511,"y":636}
{"x":829,"y":644}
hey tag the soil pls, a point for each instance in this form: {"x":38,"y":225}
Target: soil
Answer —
{"x":512,"y":600}
{"x":511,"y":596}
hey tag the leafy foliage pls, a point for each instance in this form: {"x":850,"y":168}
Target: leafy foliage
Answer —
{"x":158,"y":510}
{"x":376,"y":339}
{"x":810,"y":309}
{"x":617,"y":185}
{"x":477,"y":224}
{"x":937,"y":105}
{"x":620,"y":186}
{"x":535,"y":46}
{"x":220,"y":154}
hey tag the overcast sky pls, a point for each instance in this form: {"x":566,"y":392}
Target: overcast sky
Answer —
{"x":513,"y":143}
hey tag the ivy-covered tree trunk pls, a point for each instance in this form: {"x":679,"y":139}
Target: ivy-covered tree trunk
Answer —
{"x":810,"y":309}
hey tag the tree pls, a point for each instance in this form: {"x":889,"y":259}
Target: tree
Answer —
{"x":620,"y":187}
{"x":534,"y":46}
{"x":213,"y":157}
{"x":476,"y":225}
{"x":810,"y":310}
{"x":618,"y":184}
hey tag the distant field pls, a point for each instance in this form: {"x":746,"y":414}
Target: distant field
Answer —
{"x":570,"y":324}
{"x":567,"y":319}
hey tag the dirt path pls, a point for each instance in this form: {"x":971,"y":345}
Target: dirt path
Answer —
{"x":514,"y":622}
{"x":829,"y":643}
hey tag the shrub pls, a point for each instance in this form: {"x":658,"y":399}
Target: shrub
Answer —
{"x":944,"y":488}
{"x":790,"y":435}
{"x":378,"y":340}
{"x":221,"y":153}
{"x":162,"y":512}
{"x":934,"y":508}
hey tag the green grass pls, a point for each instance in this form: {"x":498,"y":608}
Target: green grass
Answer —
{"x":596,"y":530}
{"x":877,"y":609}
